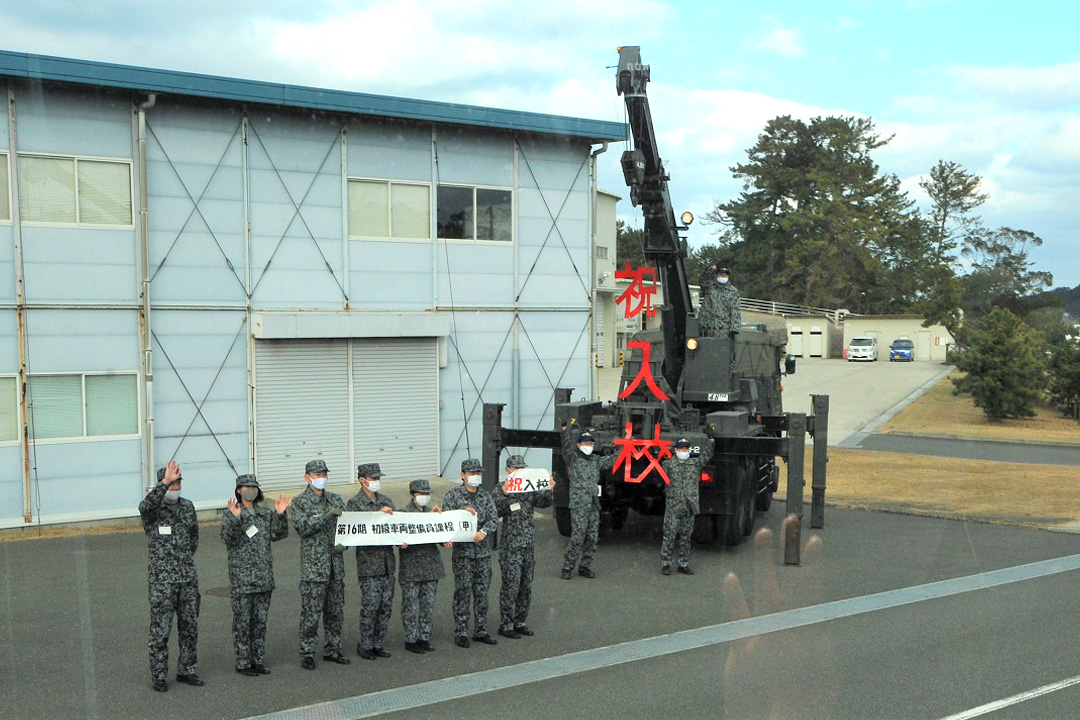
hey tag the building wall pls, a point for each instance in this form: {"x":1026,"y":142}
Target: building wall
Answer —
{"x":248,"y":214}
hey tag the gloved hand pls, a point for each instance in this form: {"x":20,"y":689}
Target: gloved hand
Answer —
{"x":339,"y":548}
{"x":333,"y":513}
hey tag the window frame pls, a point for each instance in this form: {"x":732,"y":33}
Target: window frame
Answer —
{"x":82,"y":385}
{"x":76,"y":159}
{"x":15,"y":407}
{"x":390,"y":209}
{"x":5,"y":199}
{"x":475,"y":240}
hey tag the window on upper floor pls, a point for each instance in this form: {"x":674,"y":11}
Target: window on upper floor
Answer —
{"x":74,"y":191}
{"x":5,"y":189}
{"x":601,"y":252}
{"x":82,"y":405}
{"x":475,"y":213}
{"x":383,"y":209}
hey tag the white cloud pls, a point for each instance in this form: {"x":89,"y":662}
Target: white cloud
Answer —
{"x":1039,"y":88}
{"x":782,"y":41}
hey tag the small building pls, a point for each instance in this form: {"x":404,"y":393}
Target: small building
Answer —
{"x":931,"y":343}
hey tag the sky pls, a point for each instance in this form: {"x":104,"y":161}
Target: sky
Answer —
{"x":993,"y":85}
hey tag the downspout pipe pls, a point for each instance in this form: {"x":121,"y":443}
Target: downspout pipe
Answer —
{"x":20,"y":300}
{"x":143,"y":230}
{"x":594,"y":373}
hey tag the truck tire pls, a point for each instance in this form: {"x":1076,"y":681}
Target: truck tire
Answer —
{"x":704,"y":532}
{"x":562,"y":520}
{"x":749,"y":496}
{"x":732,"y":527}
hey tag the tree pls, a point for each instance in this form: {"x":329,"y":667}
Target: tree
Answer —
{"x":1005,"y":366}
{"x":817,"y":223}
{"x":1064,"y":369}
{"x":954,"y":196}
{"x":630,"y":245}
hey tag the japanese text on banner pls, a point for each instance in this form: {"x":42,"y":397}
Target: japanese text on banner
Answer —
{"x":379,"y":528}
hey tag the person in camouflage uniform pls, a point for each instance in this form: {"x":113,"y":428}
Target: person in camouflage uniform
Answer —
{"x":517,"y":556}
{"x":374,"y":567}
{"x":472,"y":560}
{"x":247,"y":529}
{"x":584,"y":470}
{"x":681,"y":502}
{"x":172,"y":535}
{"x":322,"y":567}
{"x":419,"y":572}
{"x":719,"y":312}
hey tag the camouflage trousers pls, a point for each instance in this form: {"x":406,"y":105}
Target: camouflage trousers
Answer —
{"x":326,"y":600}
{"x":584,"y":529}
{"x":472,"y":577}
{"x":376,"y":602}
{"x":165,"y":600}
{"x":517,"y":567}
{"x":249,"y":627}
{"x":678,"y":525}
{"x":418,"y":609}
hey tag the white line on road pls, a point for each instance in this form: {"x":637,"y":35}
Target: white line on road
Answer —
{"x":1014,"y":700}
{"x":460,"y":686}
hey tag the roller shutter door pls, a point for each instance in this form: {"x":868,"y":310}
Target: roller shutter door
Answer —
{"x":301,"y":410}
{"x":396,"y":405}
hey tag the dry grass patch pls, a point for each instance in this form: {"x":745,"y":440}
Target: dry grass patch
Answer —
{"x":939,"y":412}
{"x":1020,"y":493}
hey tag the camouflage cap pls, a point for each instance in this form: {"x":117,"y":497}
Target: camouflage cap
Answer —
{"x":420,"y":486}
{"x":246,"y":480}
{"x":369,"y":470}
{"x":585,"y":436}
{"x":471,"y":465}
{"x":682,"y":443}
{"x":315,"y":466}
{"x":515,"y":461}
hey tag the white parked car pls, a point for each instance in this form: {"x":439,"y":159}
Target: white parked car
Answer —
{"x":862,"y":348}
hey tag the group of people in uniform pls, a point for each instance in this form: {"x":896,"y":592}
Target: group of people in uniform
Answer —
{"x":248,"y":528}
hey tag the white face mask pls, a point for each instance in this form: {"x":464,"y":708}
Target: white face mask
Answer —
{"x":474,"y":480}
{"x":172,"y":495}
{"x":374,"y":486}
{"x":318,"y":483}
{"x":421,"y":500}
{"x":722,"y":280}
{"x":682,"y":454}
{"x":585,"y":449}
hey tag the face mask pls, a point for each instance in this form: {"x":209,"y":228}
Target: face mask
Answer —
{"x":474,"y":480}
{"x":421,"y":500}
{"x":249,"y":493}
{"x":682,"y":454}
{"x":585,"y":449}
{"x":318,"y":483}
{"x":172,"y":496}
{"x":722,"y":280}
{"x":374,"y":485}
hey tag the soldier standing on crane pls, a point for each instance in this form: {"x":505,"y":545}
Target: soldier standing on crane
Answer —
{"x":719,"y":313}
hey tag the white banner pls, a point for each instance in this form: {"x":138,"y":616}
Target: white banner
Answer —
{"x":527,"y":480}
{"x":379,"y":528}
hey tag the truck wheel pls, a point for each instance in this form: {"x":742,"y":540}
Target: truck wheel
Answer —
{"x":704,"y":532}
{"x":618,"y":518}
{"x":562,"y":520}
{"x":732,"y":527}
{"x":749,"y":498}
{"x":764,"y":500}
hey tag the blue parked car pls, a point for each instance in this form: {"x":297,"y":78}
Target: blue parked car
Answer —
{"x":902,"y":350}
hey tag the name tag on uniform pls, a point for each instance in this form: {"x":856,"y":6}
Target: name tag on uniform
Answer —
{"x":514,"y":507}
{"x":165,"y":530}
{"x":252,"y":531}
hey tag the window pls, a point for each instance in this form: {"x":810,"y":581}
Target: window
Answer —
{"x":471,"y":213}
{"x":383,"y":209}
{"x":74,"y":191}
{"x":601,"y":252}
{"x":9,"y":419}
{"x":82,"y":405}
{"x":5,"y":189}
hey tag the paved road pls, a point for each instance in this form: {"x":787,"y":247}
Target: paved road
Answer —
{"x":973,"y":449}
{"x":73,"y":617}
